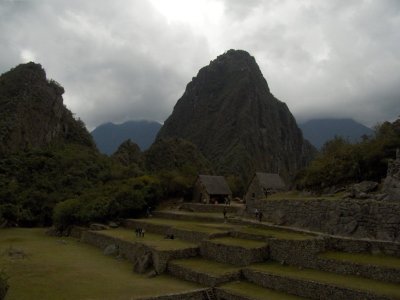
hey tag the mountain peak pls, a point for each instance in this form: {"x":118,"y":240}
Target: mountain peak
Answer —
{"x":228,"y":112}
{"x":32,"y":113}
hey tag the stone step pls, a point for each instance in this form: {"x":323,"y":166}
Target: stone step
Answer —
{"x":317,"y":284}
{"x":374,"y":266}
{"x":242,"y":290}
{"x":186,"y":230}
{"x":203,"y":271}
{"x":238,"y":252}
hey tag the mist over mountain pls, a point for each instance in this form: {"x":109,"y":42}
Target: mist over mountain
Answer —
{"x":229,"y":113}
{"x":109,"y":136}
{"x":319,"y":131}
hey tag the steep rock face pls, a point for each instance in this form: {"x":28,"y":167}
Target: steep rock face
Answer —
{"x":229,"y":113}
{"x":175,"y":154}
{"x":32,"y":113}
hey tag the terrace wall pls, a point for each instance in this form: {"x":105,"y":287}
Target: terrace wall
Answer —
{"x":359,"y":218}
{"x":134,"y":251}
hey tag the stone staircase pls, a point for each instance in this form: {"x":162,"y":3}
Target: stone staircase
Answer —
{"x":243,"y":259}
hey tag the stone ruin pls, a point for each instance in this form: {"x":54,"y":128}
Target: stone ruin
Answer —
{"x":391,"y":185}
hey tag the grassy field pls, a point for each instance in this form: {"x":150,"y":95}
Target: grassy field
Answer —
{"x":156,"y":241}
{"x":365,"y":259}
{"x":55,"y":268}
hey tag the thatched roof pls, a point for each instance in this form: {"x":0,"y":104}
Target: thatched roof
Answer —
{"x":270,"y":180}
{"x":215,"y":185}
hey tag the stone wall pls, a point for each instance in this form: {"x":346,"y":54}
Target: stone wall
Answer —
{"x":305,"y":253}
{"x":205,"y":279}
{"x":197,"y":207}
{"x":235,"y":255}
{"x":192,"y":295}
{"x":183,"y":234}
{"x":228,"y":295}
{"x":307,"y":288}
{"x":134,"y":250}
{"x":187,"y":217}
{"x":359,"y":218}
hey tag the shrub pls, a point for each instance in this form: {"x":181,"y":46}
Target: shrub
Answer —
{"x":66,"y":213}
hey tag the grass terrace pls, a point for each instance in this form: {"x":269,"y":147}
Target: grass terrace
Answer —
{"x":364,"y":259}
{"x":250,"y":244}
{"x":275,"y":233}
{"x":155,"y":241}
{"x":349,"y":281}
{"x":190,"y":225}
{"x":51,"y":268}
{"x":206,"y":266}
{"x":247,"y":289}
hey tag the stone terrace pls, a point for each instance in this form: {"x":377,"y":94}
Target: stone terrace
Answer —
{"x":239,"y":258}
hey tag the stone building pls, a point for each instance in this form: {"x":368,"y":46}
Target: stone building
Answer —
{"x":264,"y":184}
{"x":211,"y":189}
{"x":391,"y":184}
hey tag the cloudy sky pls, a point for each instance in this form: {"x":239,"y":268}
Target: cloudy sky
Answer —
{"x":131,"y":59}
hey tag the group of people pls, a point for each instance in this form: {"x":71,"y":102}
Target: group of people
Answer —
{"x":139,"y":232}
{"x":259,"y":214}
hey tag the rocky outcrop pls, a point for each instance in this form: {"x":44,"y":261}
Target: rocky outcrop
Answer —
{"x":229,"y":113}
{"x":32,"y":113}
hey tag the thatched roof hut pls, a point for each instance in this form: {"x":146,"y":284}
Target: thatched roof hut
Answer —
{"x":211,"y":189}
{"x":264,"y":184}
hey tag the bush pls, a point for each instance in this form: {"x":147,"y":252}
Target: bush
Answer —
{"x":66,"y":213}
{"x":341,"y":163}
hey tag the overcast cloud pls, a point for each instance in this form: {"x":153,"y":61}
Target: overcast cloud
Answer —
{"x":123,"y":60}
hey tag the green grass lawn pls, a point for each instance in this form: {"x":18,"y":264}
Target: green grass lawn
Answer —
{"x":365,"y":259}
{"x":354,"y":282}
{"x":56,"y":268}
{"x":156,"y":241}
{"x":276,"y":233}
{"x":203,"y":227}
{"x":256,"y":292}
{"x":206,"y":266}
{"x":239,"y":242}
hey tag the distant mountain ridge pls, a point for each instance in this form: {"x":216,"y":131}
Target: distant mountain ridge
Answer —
{"x":109,"y":136}
{"x":319,"y":131}
{"x":229,"y":113}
